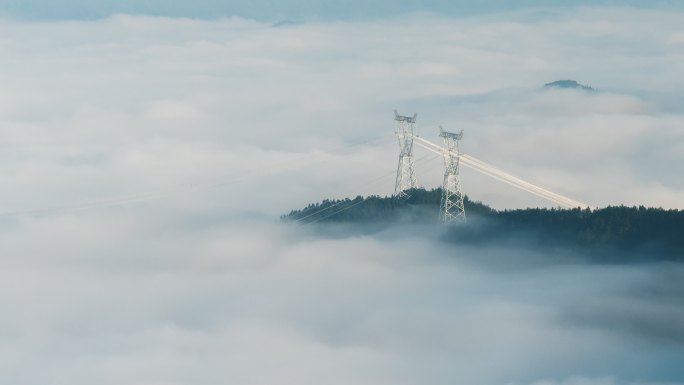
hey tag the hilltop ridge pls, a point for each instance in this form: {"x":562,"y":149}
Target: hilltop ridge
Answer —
{"x":618,"y":233}
{"x":572,"y":84}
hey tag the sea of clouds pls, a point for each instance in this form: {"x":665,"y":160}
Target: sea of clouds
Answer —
{"x":144,"y":162}
{"x":119,"y":299}
{"x":113,"y":108}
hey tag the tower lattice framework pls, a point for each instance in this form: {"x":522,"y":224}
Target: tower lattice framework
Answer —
{"x":452,"y":208}
{"x":406,"y":173}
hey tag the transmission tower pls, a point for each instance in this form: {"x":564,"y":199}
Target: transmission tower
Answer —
{"x":406,"y":174}
{"x":452,"y":209}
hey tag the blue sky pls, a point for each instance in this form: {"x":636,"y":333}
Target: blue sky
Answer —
{"x":278,"y":10}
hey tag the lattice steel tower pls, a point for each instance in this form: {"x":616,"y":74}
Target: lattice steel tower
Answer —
{"x":406,"y":174}
{"x":452,"y":209}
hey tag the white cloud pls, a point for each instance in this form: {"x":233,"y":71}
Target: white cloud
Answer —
{"x":198,"y":122}
{"x":107,"y":90}
{"x":125,"y":298}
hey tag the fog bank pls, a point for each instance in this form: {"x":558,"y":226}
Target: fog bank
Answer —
{"x":260,"y":303}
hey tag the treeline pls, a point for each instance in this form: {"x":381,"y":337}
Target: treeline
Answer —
{"x":422,"y":206}
{"x":629,"y":231}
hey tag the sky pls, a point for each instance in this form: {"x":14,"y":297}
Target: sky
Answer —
{"x":147,"y":150}
{"x":290,"y":10}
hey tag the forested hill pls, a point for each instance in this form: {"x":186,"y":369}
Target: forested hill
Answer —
{"x":631,"y":230}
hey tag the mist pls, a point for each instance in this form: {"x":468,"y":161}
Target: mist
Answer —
{"x":144,"y":162}
{"x":125,"y":299}
{"x":138,"y":105}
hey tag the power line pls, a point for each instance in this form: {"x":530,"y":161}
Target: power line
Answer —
{"x":176,"y":189}
{"x":416,"y":163}
{"x":490,"y":170}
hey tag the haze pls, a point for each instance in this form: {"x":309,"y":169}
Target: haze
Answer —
{"x":147,"y":152}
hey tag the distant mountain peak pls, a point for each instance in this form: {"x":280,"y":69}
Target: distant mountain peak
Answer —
{"x":568,"y":84}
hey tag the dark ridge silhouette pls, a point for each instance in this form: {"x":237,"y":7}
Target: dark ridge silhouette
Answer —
{"x":573,"y":84}
{"x":622,"y":233}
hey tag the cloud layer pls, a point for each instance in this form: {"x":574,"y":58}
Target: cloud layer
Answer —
{"x":143,"y":160}
{"x":136,"y":105}
{"x":125,"y":300}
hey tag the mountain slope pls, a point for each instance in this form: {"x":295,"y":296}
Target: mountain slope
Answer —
{"x":618,"y":232}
